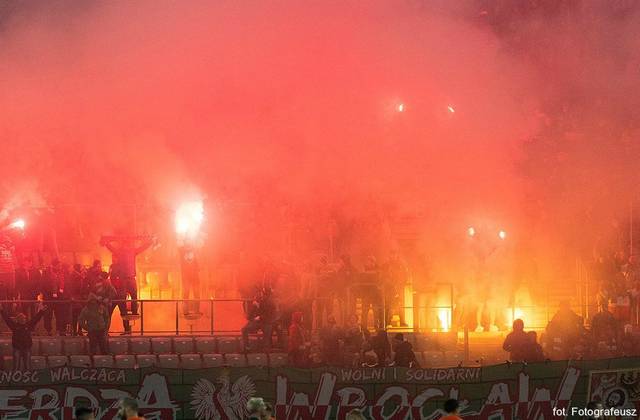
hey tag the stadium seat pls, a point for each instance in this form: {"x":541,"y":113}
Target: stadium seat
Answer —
{"x":158,"y":345}
{"x":257,"y":359}
{"x":171,"y":361}
{"x":6,"y":349}
{"x":453,"y":358}
{"x":50,"y":346}
{"x":212,"y":360}
{"x":205,"y":345}
{"x":277,"y":359}
{"x":103,"y":361}
{"x":140,"y":345}
{"x":228,"y":345}
{"x":190,"y":361}
{"x":118,"y":345}
{"x":125,"y":361}
{"x":80,"y":360}
{"x":57,"y":361}
{"x":183,"y":345}
{"x":74,"y":345}
{"x":235,"y":360}
{"x":38,"y":362}
{"x":146,"y":360}
{"x":433,"y":358}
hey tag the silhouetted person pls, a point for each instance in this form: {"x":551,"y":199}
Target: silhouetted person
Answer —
{"x":566,"y":324}
{"x":261,"y":315}
{"x":297,"y":352}
{"x":396,"y":277}
{"x":94,"y":318}
{"x":604,"y":326}
{"x":451,"y":409}
{"x":404,"y":355}
{"x":21,"y":330}
{"x":27,"y":285}
{"x":533,"y":351}
{"x":115,"y":277}
{"x":330,"y":336}
{"x":53,"y":291}
{"x":124,"y":251}
{"x":367,"y":289}
{"x":190,"y":279}
{"x":78,"y":291}
{"x":7,"y":267}
{"x":93,"y":274}
{"x":381,"y":347}
{"x":517,"y":342}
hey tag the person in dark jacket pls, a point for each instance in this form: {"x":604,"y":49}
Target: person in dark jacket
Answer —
{"x":297,"y":353}
{"x":261,"y":316}
{"x":381,"y":347}
{"x":27,"y":285}
{"x":95,"y":318}
{"x":21,"y":330}
{"x":534,"y":351}
{"x":78,"y":292}
{"x":330,"y":337}
{"x":517,"y":342}
{"x":404,"y":355}
{"x":53,"y":292}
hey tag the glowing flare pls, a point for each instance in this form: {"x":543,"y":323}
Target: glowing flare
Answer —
{"x":450,"y":109}
{"x":400,"y":108}
{"x":471,"y":231}
{"x":444,"y":319}
{"x":18,"y":224}
{"x":189,"y":217}
{"x":502,"y":235}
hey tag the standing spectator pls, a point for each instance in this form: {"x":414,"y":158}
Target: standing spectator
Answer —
{"x":297,"y":350}
{"x":53,"y":293}
{"x":330,"y":342}
{"x":109,"y":289}
{"x":404,"y":355}
{"x":78,"y":291}
{"x":517,"y":342}
{"x":367,"y":289}
{"x":190,"y":279}
{"x":124,"y":251}
{"x":27,"y":285}
{"x":534,"y":351}
{"x":604,"y":326}
{"x":396,"y":277}
{"x":565,"y":329}
{"x":94,"y":318}
{"x":7,"y":267}
{"x":381,"y":347}
{"x":451,"y":408}
{"x":21,"y":341}
{"x":93,"y":274}
{"x":262,"y":314}
{"x":353,"y":340}
{"x":128,"y":409}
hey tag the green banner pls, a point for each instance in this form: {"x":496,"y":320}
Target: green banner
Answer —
{"x":551,"y":390}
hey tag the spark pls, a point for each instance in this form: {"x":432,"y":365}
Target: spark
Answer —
{"x":450,"y":109}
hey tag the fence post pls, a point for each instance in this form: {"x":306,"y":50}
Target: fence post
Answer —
{"x":142,"y":317}
{"x":177,"y":312}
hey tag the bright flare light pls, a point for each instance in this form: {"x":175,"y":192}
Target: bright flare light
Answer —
{"x":444,"y":319}
{"x":400,"y":108}
{"x":502,"y":235}
{"x":450,"y":109}
{"x":189,"y":217}
{"x":471,"y":231}
{"x":18,"y":224}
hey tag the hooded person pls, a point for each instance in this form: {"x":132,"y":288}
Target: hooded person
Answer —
{"x":94,"y":318}
{"x":21,"y":330}
{"x":404,"y":355}
{"x":297,"y":349}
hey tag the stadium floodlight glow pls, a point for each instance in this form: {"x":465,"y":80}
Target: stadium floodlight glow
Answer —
{"x":471,"y":231}
{"x":502,"y":235}
{"x":18,"y":224}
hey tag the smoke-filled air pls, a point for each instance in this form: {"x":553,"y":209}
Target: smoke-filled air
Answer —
{"x":499,"y":134}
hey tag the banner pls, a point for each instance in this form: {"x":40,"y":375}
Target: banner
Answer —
{"x":509,"y":391}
